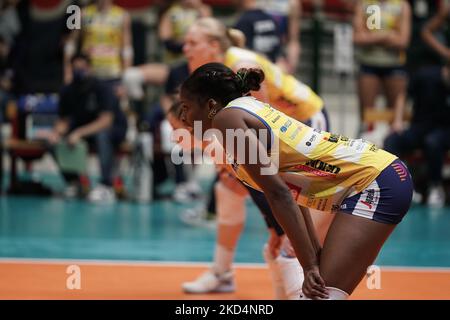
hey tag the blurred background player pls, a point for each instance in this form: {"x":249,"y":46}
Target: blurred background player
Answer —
{"x":287,"y":14}
{"x":208,"y":40}
{"x":105,"y":38}
{"x":10,"y":27}
{"x":174,"y":23}
{"x":5,"y":86}
{"x":382,"y":56}
{"x":261,"y":31}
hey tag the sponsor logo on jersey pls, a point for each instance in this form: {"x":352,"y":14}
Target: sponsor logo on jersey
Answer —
{"x":319,"y":168}
{"x":311,"y":140}
{"x":286,"y":126}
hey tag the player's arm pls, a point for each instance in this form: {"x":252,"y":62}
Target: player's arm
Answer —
{"x":165,"y":32}
{"x":434,"y":24}
{"x":400,"y":39}
{"x":293,"y":45}
{"x":127,"y":44}
{"x":70,"y":49}
{"x":285,"y":210}
{"x":103,"y":121}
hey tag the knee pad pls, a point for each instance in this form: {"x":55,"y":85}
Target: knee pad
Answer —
{"x":287,"y":275}
{"x":333,"y":294}
{"x":230,"y":206}
{"x":337,"y":294}
{"x":277,"y":281}
{"x":292,"y":276}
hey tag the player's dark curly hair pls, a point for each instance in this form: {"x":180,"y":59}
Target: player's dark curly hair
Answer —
{"x":218,"y":82}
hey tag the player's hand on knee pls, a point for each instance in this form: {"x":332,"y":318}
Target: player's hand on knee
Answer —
{"x":314,"y":286}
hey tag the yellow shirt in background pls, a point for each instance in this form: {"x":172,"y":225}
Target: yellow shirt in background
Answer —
{"x":102,"y":37}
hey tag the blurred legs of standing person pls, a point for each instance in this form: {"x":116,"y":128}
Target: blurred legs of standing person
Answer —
{"x":393,"y":81}
{"x":436,"y":147}
{"x":435,"y":143}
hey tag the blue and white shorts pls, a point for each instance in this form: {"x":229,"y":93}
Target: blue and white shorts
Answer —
{"x":387,"y":199}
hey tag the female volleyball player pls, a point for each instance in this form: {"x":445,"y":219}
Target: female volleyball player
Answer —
{"x":284,"y":268}
{"x":208,"y":40}
{"x":367,"y":188}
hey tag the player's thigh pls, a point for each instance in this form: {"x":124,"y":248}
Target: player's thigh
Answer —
{"x":351,"y":246}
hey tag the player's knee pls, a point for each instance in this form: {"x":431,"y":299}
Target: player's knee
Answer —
{"x":230,"y":206}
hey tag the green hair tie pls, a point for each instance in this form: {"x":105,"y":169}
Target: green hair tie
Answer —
{"x":242,"y":76}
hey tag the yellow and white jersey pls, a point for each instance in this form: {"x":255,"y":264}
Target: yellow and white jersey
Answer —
{"x":321,"y":169}
{"x":102,"y":37}
{"x":285,"y":92}
{"x":181,"y":19}
{"x":390,"y":19}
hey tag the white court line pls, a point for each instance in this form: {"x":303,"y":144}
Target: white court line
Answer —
{"x":188,"y":264}
{"x":123,"y":262}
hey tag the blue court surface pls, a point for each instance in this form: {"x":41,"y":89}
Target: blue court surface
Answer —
{"x":55,"y":228}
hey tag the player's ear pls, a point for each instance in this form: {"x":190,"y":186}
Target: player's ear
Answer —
{"x":213,"y":108}
{"x":212,"y":105}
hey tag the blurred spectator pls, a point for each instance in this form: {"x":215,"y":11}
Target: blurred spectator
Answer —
{"x":287,"y":13}
{"x":5,"y":86}
{"x":9,"y":28}
{"x":420,"y":54}
{"x":438,"y":23}
{"x":260,"y":29}
{"x":9,"y":21}
{"x":37,"y":51}
{"x":382,"y":54}
{"x":88,"y":110}
{"x":105,"y":37}
{"x":174,"y":23}
{"x":430,"y":126}
{"x":186,"y":189}
{"x":5,"y":77}
{"x":139,"y":12}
